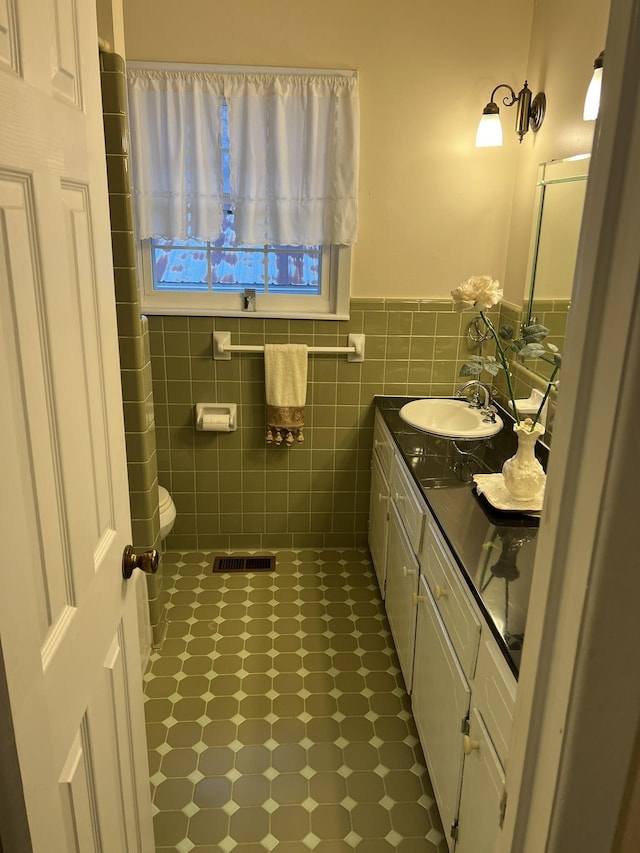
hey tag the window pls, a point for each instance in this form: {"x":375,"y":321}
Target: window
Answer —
{"x":192,"y":277}
{"x":222,"y":266}
{"x":186,"y":272}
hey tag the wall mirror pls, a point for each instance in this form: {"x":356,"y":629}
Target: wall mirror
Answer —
{"x":560,"y":192}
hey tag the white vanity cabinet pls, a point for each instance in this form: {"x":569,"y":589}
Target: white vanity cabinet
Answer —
{"x":453,"y":599}
{"x":463,"y":697}
{"x":381,"y":460}
{"x":482,"y":799}
{"x":462,"y":688}
{"x":402,"y":582}
{"x":406,"y":523}
{"x":440,"y":699}
{"x":379,"y":521}
{"x":447,"y":639}
{"x":483,"y":783}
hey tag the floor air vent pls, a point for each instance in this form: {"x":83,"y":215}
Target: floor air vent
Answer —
{"x":244,"y":564}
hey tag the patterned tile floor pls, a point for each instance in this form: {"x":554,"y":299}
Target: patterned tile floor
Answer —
{"x":277,"y":717}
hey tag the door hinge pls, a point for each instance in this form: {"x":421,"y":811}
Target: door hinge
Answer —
{"x":465,"y":726}
{"x":503,"y":806}
{"x":454,"y":830}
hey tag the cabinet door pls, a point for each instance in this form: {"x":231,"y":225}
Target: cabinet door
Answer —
{"x":409,"y":504}
{"x":482,"y":788}
{"x":402,"y":583}
{"x":440,"y":702}
{"x":383,"y":444}
{"x":451,"y":597}
{"x":494,"y":695}
{"x":379,"y":521}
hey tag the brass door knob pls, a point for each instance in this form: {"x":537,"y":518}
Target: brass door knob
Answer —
{"x":147,"y":562}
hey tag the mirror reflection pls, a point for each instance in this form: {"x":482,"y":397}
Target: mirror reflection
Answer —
{"x":560,"y":193}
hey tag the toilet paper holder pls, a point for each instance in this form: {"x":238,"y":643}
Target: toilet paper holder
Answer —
{"x":216,"y":417}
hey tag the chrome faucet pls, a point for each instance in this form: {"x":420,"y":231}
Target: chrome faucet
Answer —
{"x":474,"y":399}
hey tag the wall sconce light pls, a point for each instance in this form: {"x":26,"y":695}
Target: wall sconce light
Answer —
{"x":529,"y":114}
{"x":592,"y":100}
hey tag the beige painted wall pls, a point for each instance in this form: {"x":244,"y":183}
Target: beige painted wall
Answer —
{"x":566,"y":38}
{"x":429,"y":216}
{"x":111,"y":24}
{"x":433,"y":208}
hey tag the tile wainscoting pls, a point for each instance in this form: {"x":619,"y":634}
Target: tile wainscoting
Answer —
{"x":232,"y":491}
{"x":133,"y":336}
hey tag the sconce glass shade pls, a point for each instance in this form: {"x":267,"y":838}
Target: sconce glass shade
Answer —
{"x":489,"y":133}
{"x":592,"y":100}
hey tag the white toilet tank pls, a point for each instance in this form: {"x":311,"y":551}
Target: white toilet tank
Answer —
{"x":167,"y":512}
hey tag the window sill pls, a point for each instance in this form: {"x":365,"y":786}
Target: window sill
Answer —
{"x":157,"y":310}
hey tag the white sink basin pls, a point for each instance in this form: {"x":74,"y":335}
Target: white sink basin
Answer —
{"x":449,"y":418}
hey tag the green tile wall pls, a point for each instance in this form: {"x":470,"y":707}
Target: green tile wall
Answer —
{"x":233,"y":491}
{"x":554,"y":314}
{"x":133,"y":335}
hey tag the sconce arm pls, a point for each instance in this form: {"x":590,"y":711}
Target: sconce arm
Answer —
{"x":507,"y":103}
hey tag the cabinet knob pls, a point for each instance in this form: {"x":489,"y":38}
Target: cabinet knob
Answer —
{"x":407,"y":572}
{"x":418,"y":598}
{"x":469,"y":745}
{"x":382,"y":497}
{"x":439,"y":593}
{"x":399,"y":498}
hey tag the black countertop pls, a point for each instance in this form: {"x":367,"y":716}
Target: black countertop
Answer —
{"x":494,"y":550}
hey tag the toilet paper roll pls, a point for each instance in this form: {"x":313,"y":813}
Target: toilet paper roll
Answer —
{"x":214,"y":423}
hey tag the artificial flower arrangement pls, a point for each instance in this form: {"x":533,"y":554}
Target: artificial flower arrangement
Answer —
{"x":480,"y":293}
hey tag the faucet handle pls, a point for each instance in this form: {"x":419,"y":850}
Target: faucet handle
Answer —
{"x":489,"y":415}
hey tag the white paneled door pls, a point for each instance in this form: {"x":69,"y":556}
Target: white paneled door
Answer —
{"x":68,"y":629}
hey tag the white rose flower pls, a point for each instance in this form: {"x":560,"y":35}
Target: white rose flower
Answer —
{"x":480,"y":292}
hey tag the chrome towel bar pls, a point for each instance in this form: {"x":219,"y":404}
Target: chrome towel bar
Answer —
{"x":222,"y":347}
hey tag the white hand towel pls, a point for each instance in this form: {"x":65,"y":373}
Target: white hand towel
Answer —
{"x":285,"y":373}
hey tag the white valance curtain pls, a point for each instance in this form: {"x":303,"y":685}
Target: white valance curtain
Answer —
{"x":294,"y":146}
{"x":175,"y":122}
